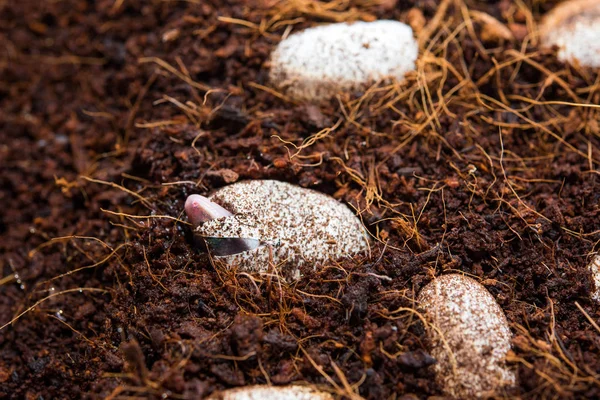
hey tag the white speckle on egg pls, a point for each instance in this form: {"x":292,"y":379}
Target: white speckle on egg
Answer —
{"x":296,"y":226}
{"x":320,"y":62}
{"x":261,"y":392}
{"x":574,"y":26}
{"x":469,"y":336}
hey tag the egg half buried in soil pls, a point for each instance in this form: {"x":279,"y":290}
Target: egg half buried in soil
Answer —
{"x":320,"y":62}
{"x":469,"y":337}
{"x":263,"y":392}
{"x":594,"y":268}
{"x":255,"y":224}
{"x":574,"y":26}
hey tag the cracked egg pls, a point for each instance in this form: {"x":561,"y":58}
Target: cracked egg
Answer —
{"x":260,"y":224}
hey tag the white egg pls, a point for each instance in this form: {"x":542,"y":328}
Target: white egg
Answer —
{"x":320,"y":62}
{"x":594,"y":268}
{"x":469,"y":337}
{"x":574,"y":26}
{"x":263,"y":392}
{"x":256,"y":224}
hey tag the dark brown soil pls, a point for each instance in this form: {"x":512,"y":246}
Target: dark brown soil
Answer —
{"x":112,"y":112}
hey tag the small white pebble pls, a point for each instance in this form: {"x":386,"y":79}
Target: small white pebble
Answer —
{"x":472,"y":337}
{"x":574,"y":26}
{"x":320,"y":62}
{"x":263,"y":392}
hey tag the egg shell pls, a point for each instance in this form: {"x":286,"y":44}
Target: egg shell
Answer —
{"x":472,"y":337}
{"x":574,"y":26}
{"x":320,"y":62}
{"x":594,"y":268}
{"x":301,"y":226}
{"x":263,"y":392}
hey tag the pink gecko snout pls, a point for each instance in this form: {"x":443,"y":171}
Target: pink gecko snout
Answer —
{"x":199,"y":209}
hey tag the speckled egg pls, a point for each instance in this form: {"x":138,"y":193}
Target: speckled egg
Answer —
{"x":263,"y":392}
{"x":320,"y":62}
{"x":594,"y":268}
{"x":261,"y":223}
{"x":469,"y":337}
{"x":574,"y":26}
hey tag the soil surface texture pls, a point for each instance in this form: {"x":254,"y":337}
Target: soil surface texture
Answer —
{"x":482,"y":162}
